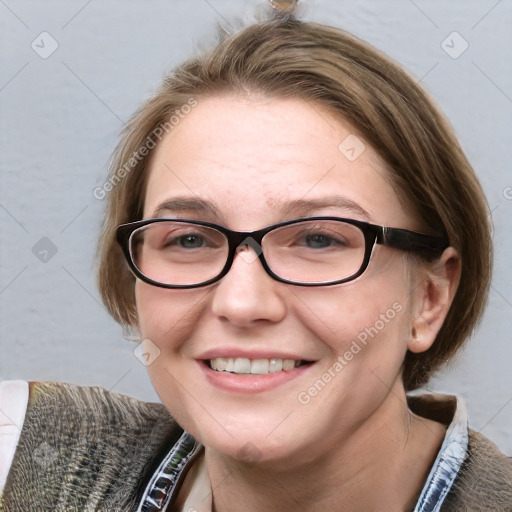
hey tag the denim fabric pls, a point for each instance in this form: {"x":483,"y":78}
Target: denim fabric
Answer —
{"x":447,"y":464}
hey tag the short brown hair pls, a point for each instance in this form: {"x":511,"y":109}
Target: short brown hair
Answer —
{"x":430,"y":173}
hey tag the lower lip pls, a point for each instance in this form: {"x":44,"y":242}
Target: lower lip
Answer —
{"x":250,"y":383}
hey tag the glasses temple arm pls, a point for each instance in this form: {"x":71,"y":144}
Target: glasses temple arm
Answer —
{"x":412,"y":241}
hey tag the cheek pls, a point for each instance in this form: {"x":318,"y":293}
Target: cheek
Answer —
{"x":167,"y":317}
{"x":372,"y":314}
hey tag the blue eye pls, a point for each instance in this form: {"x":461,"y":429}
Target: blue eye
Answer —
{"x":319,"y":241}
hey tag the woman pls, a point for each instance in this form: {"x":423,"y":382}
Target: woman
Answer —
{"x":295,"y":233}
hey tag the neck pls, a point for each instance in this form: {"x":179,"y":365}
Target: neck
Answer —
{"x":382,"y":465}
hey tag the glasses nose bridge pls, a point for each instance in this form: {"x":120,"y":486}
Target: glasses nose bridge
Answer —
{"x":252,"y":239}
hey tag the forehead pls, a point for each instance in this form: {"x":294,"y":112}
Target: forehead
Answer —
{"x":252,"y":157}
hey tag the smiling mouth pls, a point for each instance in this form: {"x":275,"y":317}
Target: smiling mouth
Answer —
{"x":244,"y":366}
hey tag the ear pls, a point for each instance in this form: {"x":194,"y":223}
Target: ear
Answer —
{"x":432,"y":297}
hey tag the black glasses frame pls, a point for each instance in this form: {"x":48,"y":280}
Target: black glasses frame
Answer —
{"x":427,"y":246}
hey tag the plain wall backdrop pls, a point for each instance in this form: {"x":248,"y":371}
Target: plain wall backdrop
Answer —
{"x":74,"y":71}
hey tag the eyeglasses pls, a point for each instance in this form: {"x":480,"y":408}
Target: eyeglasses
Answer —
{"x":313,"y":251}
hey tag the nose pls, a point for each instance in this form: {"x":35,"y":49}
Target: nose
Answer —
{"x":247,"y":294}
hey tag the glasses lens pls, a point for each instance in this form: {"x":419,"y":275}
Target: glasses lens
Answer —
{"x":178,"y":253}
{"x":315,"y":251}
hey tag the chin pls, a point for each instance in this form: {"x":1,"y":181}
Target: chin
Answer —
{"x":248,"y":441}
{"x":252,"y":450}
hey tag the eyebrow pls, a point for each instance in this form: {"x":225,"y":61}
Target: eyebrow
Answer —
{"x":305,"y":207}
{"x":186,"y":204}
{"x":297,"y":207}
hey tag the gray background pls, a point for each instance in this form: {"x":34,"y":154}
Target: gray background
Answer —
{"x":60,"y":118}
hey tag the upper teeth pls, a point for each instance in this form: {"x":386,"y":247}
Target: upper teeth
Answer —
{"x":255,"y":366}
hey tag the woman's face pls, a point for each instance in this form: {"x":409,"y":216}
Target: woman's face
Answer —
{"x":258,"y":162}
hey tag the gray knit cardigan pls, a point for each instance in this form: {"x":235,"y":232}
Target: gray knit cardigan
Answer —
{"x":86,"y":449}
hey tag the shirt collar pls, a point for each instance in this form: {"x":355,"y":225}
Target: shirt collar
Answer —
{"x":450,"y":458}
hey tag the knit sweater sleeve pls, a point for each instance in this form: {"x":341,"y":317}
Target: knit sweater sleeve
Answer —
{"x":85,"y":449}
{"x":484,"y":482}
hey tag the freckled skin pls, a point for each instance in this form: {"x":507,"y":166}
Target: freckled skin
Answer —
{"x":249,"y":157}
